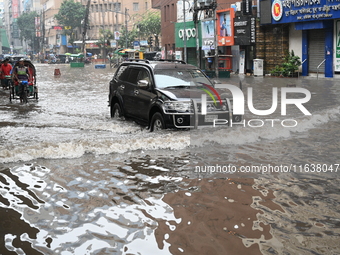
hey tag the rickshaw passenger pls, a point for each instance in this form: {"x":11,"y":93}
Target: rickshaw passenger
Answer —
{"x":21,"y":73}
{"x":5,"y":70}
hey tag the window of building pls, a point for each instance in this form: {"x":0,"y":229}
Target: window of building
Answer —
{"x":136,"y":7}
{"x":117,"y":7}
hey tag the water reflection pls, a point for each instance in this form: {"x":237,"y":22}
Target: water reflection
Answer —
{"x":139,"y":205}
{"x":91,"y":185}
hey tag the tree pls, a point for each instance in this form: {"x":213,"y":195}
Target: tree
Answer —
{"x":71,"y":14}
{"x":150,"y":24}
{"x":26,"y":25}
{"x":104,"y":36}
{"x":127,"y":38}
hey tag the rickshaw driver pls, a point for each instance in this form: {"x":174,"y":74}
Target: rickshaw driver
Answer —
{"x":20,"y":74}
{"x":5,"y":72}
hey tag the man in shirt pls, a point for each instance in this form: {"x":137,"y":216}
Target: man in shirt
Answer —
{"x":5,"y":73}
{"x":20,"y":73}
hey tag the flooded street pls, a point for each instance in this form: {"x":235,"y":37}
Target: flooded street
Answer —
{"x":74,"y":181}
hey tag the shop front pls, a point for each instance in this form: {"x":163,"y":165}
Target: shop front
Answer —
{"x":314,"y":36}
{"x":185,"y":41}
{"x":245,"y":39}
{"x":225,"y":41}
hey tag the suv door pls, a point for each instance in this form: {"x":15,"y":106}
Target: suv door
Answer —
{"x":128,"y":88}
{"x":144,"y":95}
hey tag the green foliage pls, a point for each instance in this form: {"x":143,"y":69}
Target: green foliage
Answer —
{"x":105,"y":35}
{"x":26,"y":25}
{"x":289,"y":66}
{"x":150,"y":24}
{"x":70,"y":14}
{"x":128,"y":37}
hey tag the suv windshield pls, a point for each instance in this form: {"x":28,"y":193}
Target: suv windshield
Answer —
{"x":165,"y":78}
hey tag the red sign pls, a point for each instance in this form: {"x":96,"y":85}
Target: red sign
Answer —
{"x":58,"y":27}
{"x":225,"y":27}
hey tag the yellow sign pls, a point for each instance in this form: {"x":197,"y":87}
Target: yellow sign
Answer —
{"x":67,"y":27}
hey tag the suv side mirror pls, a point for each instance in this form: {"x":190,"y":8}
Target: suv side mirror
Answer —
{"x":143,"y":84}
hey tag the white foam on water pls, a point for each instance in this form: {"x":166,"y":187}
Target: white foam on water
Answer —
{"x":241,"y":134}
{"x":121,"y":137}
{"x":83,"y":144}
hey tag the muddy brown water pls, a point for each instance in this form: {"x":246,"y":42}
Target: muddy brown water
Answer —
{"x":73,"y":181}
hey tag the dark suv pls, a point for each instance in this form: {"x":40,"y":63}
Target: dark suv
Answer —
{"x":166,"y":93}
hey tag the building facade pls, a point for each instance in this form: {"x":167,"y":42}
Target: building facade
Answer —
{"x":102,"y":15}
{"x":313,"y":31}
{"x":266,"y":30}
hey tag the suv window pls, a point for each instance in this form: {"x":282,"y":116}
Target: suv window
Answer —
{"x":174,"y":77}
{"x":144,"y":75}
{"x":133,"y":74}
{"x":122,"y":73}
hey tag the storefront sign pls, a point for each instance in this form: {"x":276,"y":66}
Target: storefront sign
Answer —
{"x":225,"y":27}
{"x":243,"y":27}
{"x":208,"y":34}
{"x":337,"y":48}
{"x":288,"y":11}
{"x":247,"y":7}
{"x":188,"y":33}
{"x":252,"y":30}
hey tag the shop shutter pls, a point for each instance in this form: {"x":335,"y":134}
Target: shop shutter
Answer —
{"x":316,"y":50}
{"x":192,"y":56}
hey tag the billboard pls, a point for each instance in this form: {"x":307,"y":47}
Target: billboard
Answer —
{"x":225,"y":27}
{"x":188,"y":33}
{"x":289,"y":11}
{"x":208,"y":34}
{"x":244,"y":30}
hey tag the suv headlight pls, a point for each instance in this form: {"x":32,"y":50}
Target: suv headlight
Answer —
{"x":178,"y":106}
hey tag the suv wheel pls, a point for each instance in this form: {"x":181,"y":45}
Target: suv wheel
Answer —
{"x":157,"y":122}
{"x":116,"y":111}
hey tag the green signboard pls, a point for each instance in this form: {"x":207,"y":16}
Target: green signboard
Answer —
{"x":337,"y":47}
{"x":191,"y":33}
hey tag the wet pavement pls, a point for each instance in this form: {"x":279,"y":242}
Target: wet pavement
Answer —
{"x":74,"y":181}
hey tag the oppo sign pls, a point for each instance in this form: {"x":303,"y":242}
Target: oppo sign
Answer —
{"x":190,"y":32}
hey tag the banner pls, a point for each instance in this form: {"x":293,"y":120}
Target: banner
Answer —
{"x":337,"y":48}
{"x":208,"y":34}
{"x":225,"y":27}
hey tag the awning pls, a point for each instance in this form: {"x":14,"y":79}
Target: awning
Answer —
{"x":124,"y":51}
{"x":89,"y":41}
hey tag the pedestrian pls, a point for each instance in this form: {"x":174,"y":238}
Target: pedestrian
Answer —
{"x":210,"y":60}
{"x":5,"y":73}
{"x":20,"y":74}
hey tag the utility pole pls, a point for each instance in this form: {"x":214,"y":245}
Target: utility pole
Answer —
{"x":126,"y":28}
{"x":104,"y":37}
{"x":184,"y":35}
{"x":86,"y":20}
{"x":211,"y":8}
{"x":195,"y":17}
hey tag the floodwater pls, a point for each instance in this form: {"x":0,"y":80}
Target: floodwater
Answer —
{"x":73,"y":181}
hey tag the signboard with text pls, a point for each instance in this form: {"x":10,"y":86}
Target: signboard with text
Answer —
{"x":337,"y":48}
{"x":225,"y":27}
{"x":187,"y":32}
{"x":289,"y":11}
{"x":208,"y":34}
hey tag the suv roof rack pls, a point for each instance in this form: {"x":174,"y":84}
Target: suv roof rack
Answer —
{"x":160,"y":60}
{"x":137,"y":60}
{"x":172,"y":60}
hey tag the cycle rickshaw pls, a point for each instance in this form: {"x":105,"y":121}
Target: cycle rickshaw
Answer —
{"x":24,"y":90}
